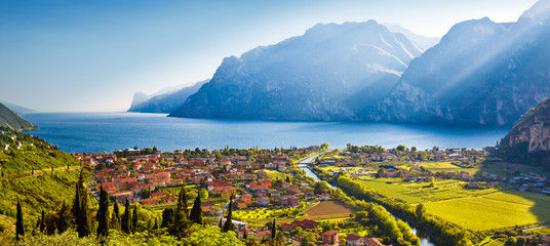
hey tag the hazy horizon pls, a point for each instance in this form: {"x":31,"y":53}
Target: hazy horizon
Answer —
{"x":93,"y":56}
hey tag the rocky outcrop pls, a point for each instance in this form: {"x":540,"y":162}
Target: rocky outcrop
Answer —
{"x":529,"y":139}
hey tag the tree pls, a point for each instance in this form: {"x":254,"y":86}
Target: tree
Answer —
{"x":420,"y":210}
{"x":80,"y":207}
{"x":115,"y":217}
{"x":228,"y":226}
{"x":204,"y":193}
{"x":181,"y":219}
{"x":125,"y":221}
{"x":102,"y":215}
{"x":196,"y":211}
{"x":167,"y":218}
{"x":19,"y":227}
{"x":62,"y":223}
{"x":273,"y":229}
{"x":42,"y":223}
{"x":135,"y":218}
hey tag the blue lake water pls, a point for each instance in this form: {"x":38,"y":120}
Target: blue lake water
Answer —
{"x":105,"y":132}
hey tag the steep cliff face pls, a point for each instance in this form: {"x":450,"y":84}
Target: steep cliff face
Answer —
{"x":164,"y":102}
{"x":529,"y":139}
{"x":329,"y":73}
{"x":481,"y":73}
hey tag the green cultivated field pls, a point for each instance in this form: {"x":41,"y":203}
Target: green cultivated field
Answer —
{"x":414,"y":193}
{"x":477,"y":210}
{"x":447,"y":166}
{"x":492,"y":211}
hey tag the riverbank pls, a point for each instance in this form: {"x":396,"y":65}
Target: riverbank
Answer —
{"x":304,"y":166}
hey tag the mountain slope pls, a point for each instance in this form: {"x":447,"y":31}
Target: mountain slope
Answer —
{"x":11,"y":120}
{"x":328,"y":73}
{"x":529,"y":139}
{"x":18,"y":109}
{"x":481,"y":73}
{"x":35,"y":173}
{"x":164,"y":102}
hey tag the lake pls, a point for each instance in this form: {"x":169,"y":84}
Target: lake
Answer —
{"x":106,"y":132}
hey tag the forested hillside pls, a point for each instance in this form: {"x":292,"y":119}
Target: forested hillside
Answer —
{"x":11,"y":120}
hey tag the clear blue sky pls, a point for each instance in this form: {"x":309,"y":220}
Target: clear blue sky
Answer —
{"x":93,"y":55}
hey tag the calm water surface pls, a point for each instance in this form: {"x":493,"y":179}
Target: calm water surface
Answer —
{"x":105,"y":132}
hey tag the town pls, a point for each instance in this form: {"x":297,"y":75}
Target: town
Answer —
{"x":269,"y":187}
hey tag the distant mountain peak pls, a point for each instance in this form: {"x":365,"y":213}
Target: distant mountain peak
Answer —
{"x":423,"y":42}
{"x":331,"y":70}
{"x":165,"y":100}
{"x":538,"y":13}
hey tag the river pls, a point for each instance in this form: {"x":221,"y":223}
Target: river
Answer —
{"x":304,"y":166}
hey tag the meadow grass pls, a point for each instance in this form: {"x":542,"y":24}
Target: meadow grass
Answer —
{"x":481,"y":213}
{"x":479,"y":210}
{"x":446,"y":166}
{"x":414,"y":193}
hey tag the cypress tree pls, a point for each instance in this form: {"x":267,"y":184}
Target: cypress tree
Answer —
{"x":196,"y":211}
{"x":115,"y":217}
{"x":42,"y":223}
{"x":19,"y":227}
{"x":125,"y":221}
{"x":62,"y":223}
{"x":167,"y":218}
{"x":80,"y":207}
{"x":135,"y":219}
{"x":102,"y":214}
{"x":273,"y":229}
{"x":181,"y":215}
{"x":228,"y":220}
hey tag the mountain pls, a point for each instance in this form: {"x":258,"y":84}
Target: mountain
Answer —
{"x":11,"y":120}
{"x":481,"y":73}
{"x":18,"y":109}
{"x":330,"y":72}
{"x":165,"y":101}
{"x":423,"y":42}
{"x":529,"y":139}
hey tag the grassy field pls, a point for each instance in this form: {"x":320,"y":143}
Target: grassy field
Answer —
{"x":260,"y":216}
{"x":478,"y":210}
{"x":327,"y":210}
{"x":414,"y":193}
{"x":446,"y":166}
{"x":322,"y":211}
{"x":493,"y":211}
